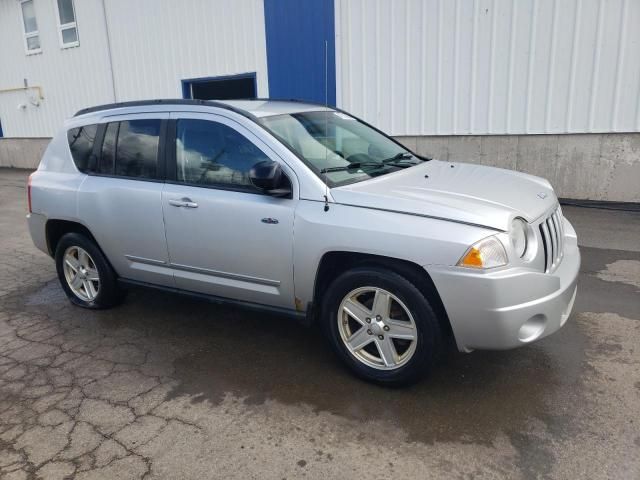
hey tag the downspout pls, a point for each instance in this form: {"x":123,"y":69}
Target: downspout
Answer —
{"x":106,"y":28}
{"x":26,"y":88}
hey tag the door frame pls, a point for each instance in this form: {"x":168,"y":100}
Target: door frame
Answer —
{"x":187,"y":82}
{"x":169,"y":150}
{"x":285,"y":284}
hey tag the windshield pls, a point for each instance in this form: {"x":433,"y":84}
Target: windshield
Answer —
{"x":338,"y":147}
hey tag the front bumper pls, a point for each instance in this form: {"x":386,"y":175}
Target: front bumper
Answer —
{"x":507,"y":308}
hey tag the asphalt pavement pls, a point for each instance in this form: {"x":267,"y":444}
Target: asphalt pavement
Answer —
{"x":171,"y":387}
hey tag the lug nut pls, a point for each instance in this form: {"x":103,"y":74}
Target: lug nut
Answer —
{"x":381,"y":337}
{"x":369,"y":332}
{"x":368,"y":320}
{"x":386,"y":328}
{"x":378,"y":317}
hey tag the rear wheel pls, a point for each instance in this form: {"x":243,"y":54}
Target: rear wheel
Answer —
{"x":381,"y":325}
{"x":84,"y":273}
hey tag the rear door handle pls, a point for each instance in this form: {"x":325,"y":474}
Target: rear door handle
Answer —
{"x":183,"y":202}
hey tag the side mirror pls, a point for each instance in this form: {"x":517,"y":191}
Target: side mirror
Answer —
{"x":268,"y":177}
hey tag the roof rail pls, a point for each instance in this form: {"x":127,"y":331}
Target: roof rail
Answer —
{"x":163,"y":101}
{"x":292,"y":100}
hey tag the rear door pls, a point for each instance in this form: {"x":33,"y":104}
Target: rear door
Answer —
{"x":120,"y":200}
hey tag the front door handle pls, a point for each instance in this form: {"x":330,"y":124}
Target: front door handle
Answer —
{"x":183,"y":202}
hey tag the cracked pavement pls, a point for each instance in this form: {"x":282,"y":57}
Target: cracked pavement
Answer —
{"x":171,"y":387}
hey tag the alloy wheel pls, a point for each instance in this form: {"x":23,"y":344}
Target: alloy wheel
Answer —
{"x":377,"y":328}
{"x":81,"y":273}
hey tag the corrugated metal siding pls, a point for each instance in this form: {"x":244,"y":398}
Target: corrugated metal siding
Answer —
{"x":71,"y":78}
{"x":442,"y":67}
{"x":154,"y":45}
{"x":157,"y":43}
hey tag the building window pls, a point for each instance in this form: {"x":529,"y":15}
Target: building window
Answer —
{"x":31,"y":34}
{"x":67,"y":26}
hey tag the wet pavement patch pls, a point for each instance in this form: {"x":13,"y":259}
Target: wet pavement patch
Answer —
{"x":623,"y":271}
{"x":51,"y":294}
{"x":611,"y":293}
{"x":457,"y":403}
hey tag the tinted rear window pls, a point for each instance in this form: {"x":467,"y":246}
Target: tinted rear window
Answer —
{"x":137,"y":148}
{"x":108,"y":156}
{"x":81,"y":144}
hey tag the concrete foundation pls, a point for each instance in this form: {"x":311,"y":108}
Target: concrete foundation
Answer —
{"x":22,"y":152}
{"x":579,"y":166}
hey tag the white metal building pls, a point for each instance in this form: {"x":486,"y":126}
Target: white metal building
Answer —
{"x":126,"y":50}
{"x":443,"y":74}
{"x":491,"y":66}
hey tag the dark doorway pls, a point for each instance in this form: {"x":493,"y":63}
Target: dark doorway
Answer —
{"x":220,"y":88}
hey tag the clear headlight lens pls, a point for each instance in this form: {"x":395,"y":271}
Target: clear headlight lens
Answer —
{"x":487,"y":253}
{"x":518,"y":236}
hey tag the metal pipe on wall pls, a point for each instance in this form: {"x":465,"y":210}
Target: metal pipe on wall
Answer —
{"x":106,"y":28}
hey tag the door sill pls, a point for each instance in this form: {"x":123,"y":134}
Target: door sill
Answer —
{"x":300,"y":316}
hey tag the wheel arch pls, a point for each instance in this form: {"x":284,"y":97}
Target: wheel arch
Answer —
{"x":55,"y":229}
{"x":335,"y":263}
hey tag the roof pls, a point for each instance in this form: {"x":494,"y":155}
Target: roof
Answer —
{"x":266,"y":107}
{"x":262,"y":107}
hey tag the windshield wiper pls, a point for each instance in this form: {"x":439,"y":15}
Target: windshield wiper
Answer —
{"x":352,"y":166}
{"x":397,"y":160}
{"x":391,"y":161}
{"x":398,"y":156}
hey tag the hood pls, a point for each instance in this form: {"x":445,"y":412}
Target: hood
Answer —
{"x":461,"y":192}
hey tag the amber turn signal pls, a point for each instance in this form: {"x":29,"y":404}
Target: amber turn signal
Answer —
{"x":473,"y":258}
{"x":487,"y":253}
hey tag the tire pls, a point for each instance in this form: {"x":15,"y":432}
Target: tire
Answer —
{"x":410,"y":360}
{"x":98,"y":279}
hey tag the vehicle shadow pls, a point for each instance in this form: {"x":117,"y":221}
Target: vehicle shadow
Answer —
{"x":261,"y":357}
{"x":212,"y":351}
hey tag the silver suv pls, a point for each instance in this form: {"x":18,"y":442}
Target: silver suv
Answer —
{"x":310,"y":212}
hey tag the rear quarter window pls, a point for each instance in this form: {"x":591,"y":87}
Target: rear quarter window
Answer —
{"x":81,"y":145}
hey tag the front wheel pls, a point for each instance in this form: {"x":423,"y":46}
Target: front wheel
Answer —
{"x":380,"y":325}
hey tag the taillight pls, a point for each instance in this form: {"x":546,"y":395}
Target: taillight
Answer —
{"x":29,"y":192}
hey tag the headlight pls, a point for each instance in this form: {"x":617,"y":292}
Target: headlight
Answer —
{"x":518,"y":236}
{"x":487,"y":253}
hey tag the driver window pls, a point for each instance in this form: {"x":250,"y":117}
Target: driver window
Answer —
{"x":211,"y":153}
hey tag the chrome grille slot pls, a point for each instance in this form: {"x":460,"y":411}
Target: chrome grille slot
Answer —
{"x":552,"y":233}
{"x":544,"y":232}
{"x":556,"y":238}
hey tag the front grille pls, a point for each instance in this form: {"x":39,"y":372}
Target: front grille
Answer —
{"x":552,"y":231}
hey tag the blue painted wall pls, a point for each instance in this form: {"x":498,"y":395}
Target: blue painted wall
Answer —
{"x":296,"y":32}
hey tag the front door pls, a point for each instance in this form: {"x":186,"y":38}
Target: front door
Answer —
{"x":224,"y":236}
